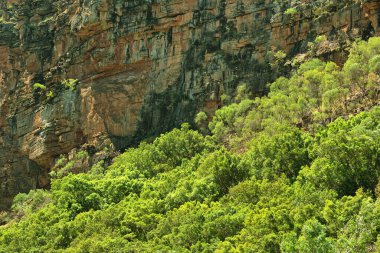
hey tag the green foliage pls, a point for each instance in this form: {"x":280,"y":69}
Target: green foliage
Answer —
{"x":313,"y":238}
{"x":320,"y":39}
{"x":294,"y":171}
{"x":241,"y":92}
{"x":39,"y":86}
{"x":226,"y":120}
{"x":223,"y":168}
{"x":201,"y":121}
{"x":70,"y":83}
{"x":348,"y":152}
{"x":280,"y":55}
{"x":275,"y":151}
{"x":314,"y":96}
{"x":291,"y":12}
{"x":50,"y":94}
{"x":26,"y":204}
{"x":278,"y":58}
{"x":64,"y":166}
{"x":49,"y":91}
{"x":201,"y":117}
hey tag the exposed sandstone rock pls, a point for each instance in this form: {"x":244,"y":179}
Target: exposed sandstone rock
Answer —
{"x":144,"y":66}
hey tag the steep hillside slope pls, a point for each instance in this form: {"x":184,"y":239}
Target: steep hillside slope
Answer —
{"x":143,"y":67}
{"x":295,"y":171}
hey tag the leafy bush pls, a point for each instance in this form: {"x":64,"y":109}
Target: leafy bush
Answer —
{"x":291,"y":12}
{"x":70,"y":83}
{"x":39,"y":86}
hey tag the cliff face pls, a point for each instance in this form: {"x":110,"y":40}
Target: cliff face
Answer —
{"x":144,"y":66}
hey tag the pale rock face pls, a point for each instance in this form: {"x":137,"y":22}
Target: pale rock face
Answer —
{"x":143,"y":66}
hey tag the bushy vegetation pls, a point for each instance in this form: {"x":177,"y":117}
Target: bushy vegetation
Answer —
{"x":39,"y":86}
{"x":70,"y":83}
{"x":295,"y":171}
{"x":51,"y":90}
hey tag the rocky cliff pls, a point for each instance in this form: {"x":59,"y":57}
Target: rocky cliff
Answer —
{"x":143,"y":67}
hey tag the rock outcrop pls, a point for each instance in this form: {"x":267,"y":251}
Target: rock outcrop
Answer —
{"x":143,"y":67}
